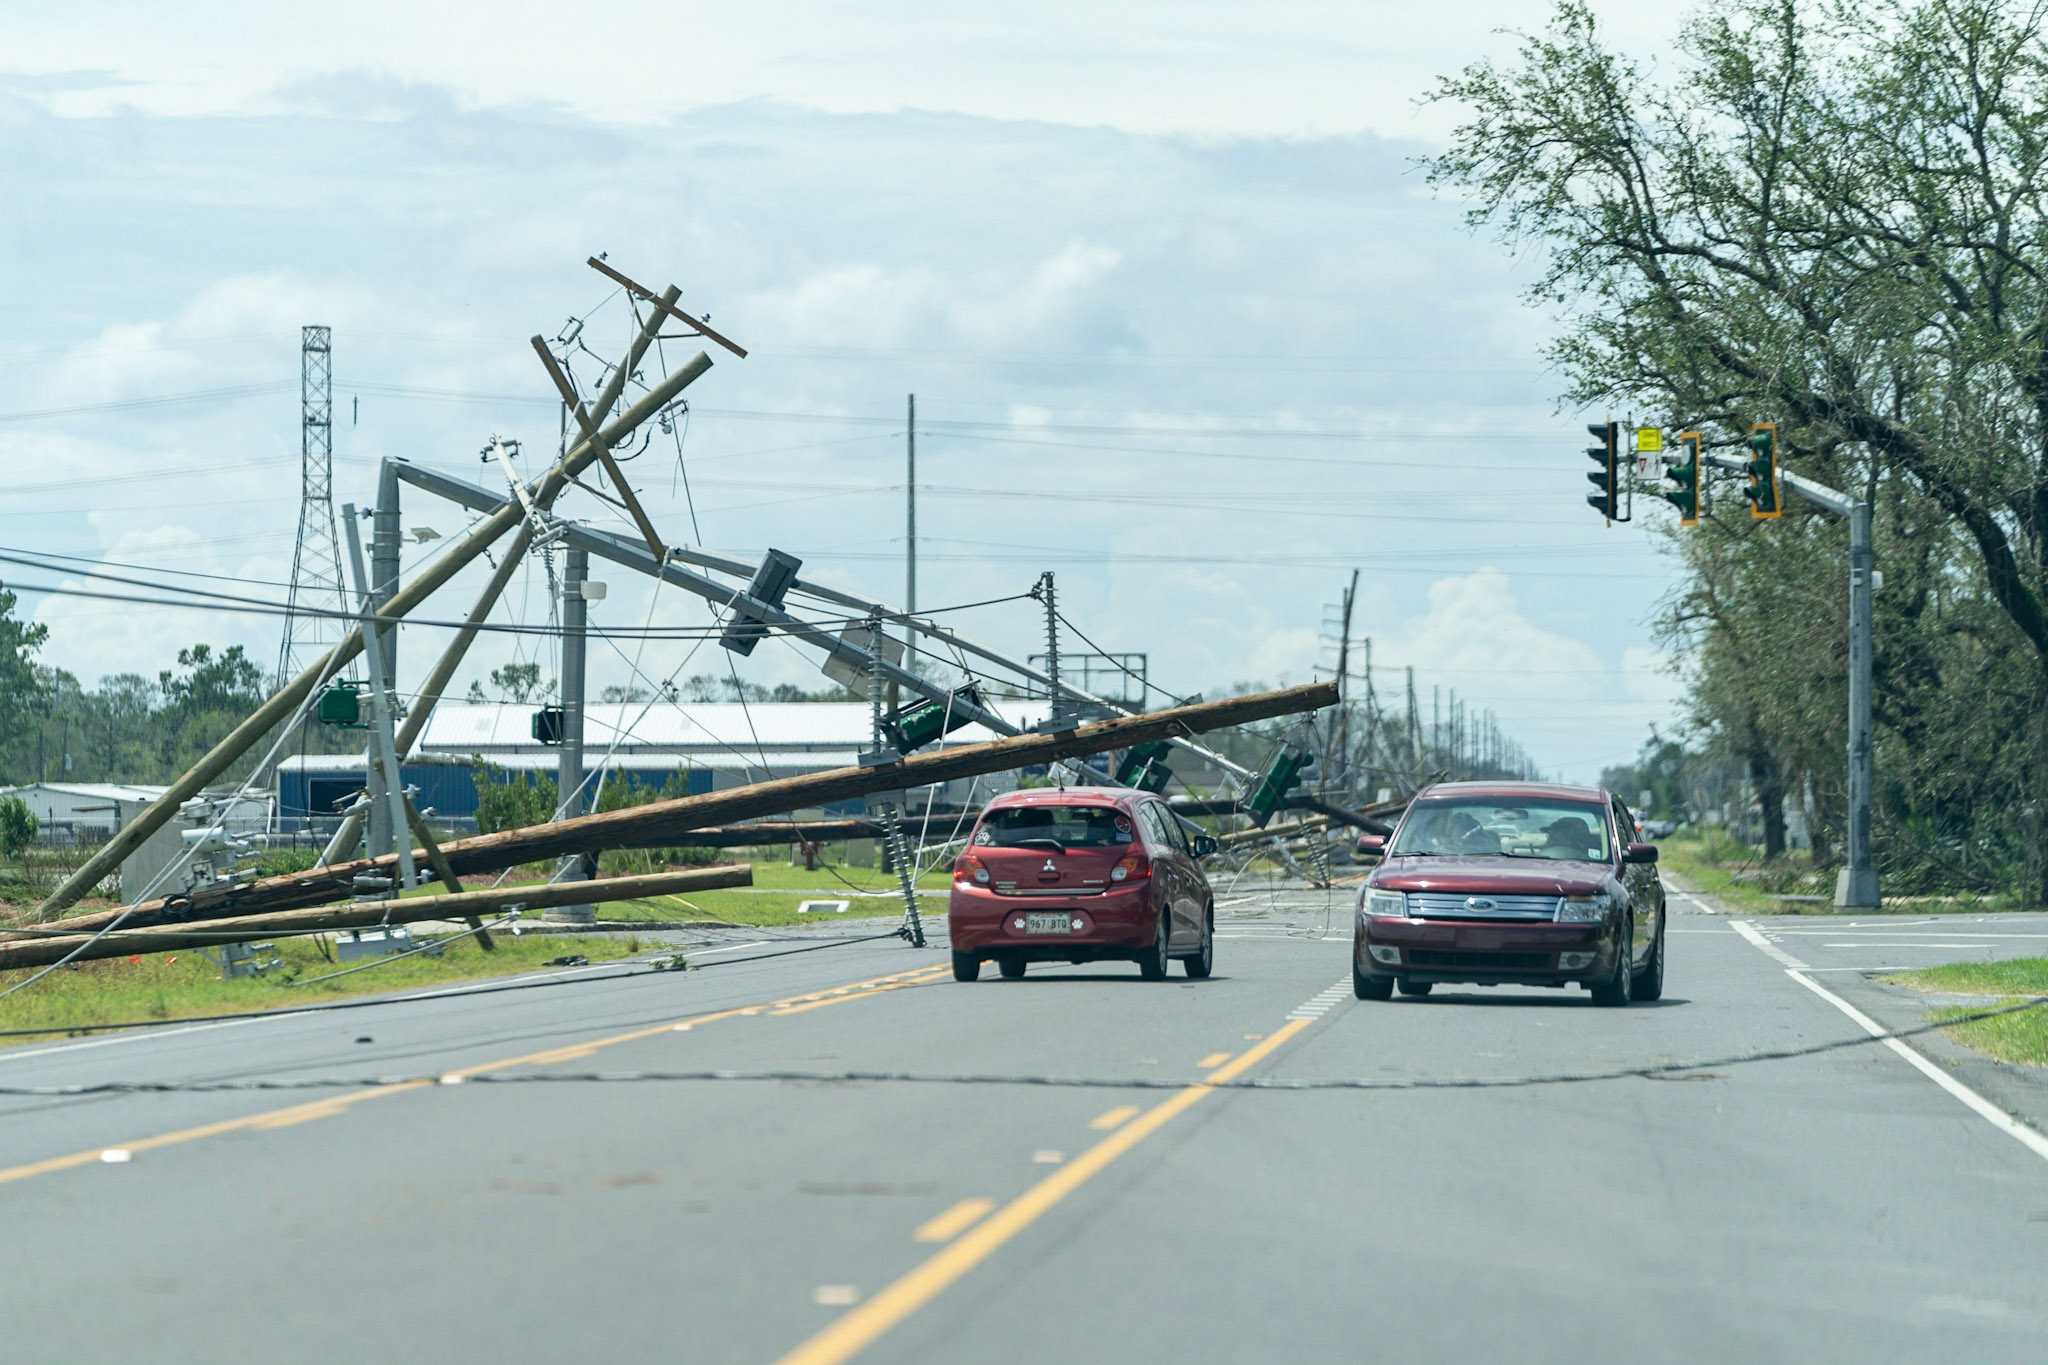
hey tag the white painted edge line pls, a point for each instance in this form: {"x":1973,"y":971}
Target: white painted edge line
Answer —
{"x":1756,"y":936}
{"x":1985,"y":1109}
{"x":2023,"y":1134}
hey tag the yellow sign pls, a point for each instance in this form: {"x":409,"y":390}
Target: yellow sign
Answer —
{"x":1649,"y":440}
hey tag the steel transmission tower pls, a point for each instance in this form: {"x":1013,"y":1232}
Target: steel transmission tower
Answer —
{"x":309,"y":628}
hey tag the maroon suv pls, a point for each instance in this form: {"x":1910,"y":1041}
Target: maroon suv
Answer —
{"x":1081,"y":874}
{"x":1512,"y":884}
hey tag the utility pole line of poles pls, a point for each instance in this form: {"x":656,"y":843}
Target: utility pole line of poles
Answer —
{"x":910,"y":529}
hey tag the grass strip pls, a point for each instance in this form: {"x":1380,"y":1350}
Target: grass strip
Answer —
{"x":2021,"y":1037}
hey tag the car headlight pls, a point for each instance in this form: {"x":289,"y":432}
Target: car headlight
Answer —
{"x":1385,"y":903}
{"x":1584,"y":909}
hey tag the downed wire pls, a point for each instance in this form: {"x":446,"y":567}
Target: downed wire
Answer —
{"x":1651,"y":1071}
{"x":439,"y":993}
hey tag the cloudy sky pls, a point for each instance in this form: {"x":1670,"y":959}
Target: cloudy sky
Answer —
{"x":1184,"y":324}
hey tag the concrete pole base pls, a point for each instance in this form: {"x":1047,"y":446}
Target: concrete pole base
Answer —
{"x":1856,"y":888}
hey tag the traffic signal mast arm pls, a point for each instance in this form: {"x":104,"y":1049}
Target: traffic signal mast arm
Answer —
{"x":1819,"y":494}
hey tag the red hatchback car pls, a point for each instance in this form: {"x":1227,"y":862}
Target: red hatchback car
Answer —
{"x":1081,"y":874}
{"x":1512,"y":884}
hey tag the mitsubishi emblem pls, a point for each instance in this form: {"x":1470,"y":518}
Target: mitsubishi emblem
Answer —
{"x":1048,"y":866}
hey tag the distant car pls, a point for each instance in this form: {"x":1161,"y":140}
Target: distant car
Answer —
{"x":1084,"y":874}
{"x":1566,"y":895}
{"x":1660,"y":829}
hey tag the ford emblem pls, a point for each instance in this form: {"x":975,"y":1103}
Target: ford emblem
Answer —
{"x":1478,"y":903}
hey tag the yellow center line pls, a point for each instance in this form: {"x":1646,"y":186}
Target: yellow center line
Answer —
{"x":854,"y":1331}
{"x":1213,"y":1059}
{"x":953,"y":1221}
{"x":1110,"y":1118}
{"x":332,"y":1105}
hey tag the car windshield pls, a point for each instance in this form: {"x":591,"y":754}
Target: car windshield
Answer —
{"x":1044,"y":826}
{"x":1562,"y":830}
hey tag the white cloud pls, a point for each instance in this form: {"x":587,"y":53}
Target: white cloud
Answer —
{"x":1207,"y":67}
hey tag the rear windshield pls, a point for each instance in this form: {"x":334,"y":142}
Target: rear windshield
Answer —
{"x":1573,"y":831}
{"x":1045,"y":826}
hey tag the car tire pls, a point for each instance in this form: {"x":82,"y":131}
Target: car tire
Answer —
{"x":1615,"y":991}
{"x":966,"y":967}
{"x":1371,"y":987}
{"x":1201,"y":964}
{"x":1011,"y":966}
{"x":1155,"y":960}
{"x":1416,"y":987}
{"x":1649,"y":982}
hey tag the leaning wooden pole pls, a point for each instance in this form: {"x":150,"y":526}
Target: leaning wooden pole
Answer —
{"x":287,"y":700}
{"x":40,"y":952}
{"x":656,"y":822}
{"x":453,"y":653}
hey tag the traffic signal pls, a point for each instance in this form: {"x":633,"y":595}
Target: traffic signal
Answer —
{"x":1765,"y":495}
{"x":770,"y":585}
{"x":1607,"y":478}
{"x":1282,"y":773}
{"x":1143,"y":766}
{"x":1686,"y":474}
{"x":919,"y":724}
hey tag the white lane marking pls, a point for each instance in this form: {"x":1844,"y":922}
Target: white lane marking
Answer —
{"x":1905,"y":944}
{"x":1756,"y":936}
{"x":1895,"y":933}
{"x":1698,"y":904}
{"x":1321,"y":1002}
{"x":1983,"y":1108}
{"x":1977,"y":1104}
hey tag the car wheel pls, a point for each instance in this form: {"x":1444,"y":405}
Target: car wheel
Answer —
{"x":1615,"y":989}
{"x":1201,"y":964}
{"x":1649,"y":982}
{"x":1152,"y":966}
{"x":1371,"y":987}
{"x":966,"y":967}
{"x":1416,"y":987}
{"x":1011,"y":966}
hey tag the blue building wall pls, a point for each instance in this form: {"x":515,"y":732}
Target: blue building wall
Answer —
{"x":450,"y":789}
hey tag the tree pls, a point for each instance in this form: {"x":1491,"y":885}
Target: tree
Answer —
{"x":17,"y":826}
{"x":518,"y":683}
{"x":23,"y":693}
{"x":1833,"y":218}
{"x":511,"y":800}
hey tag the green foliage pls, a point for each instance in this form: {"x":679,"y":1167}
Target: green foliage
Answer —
{"x":1831,"y":216}
{"x":17,"y":826}
{"x":511,"y":800}
{"x":517,"y":683}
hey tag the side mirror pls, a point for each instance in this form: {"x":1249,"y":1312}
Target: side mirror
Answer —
{"x":1372,"y":845}
{"x":1640,"y":853}
{"x":1205,"y":844}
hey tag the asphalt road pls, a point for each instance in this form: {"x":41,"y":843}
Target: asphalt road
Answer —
{"x":1836,"y":1206}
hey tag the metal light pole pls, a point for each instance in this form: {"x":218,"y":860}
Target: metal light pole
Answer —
{"x":1856,"y":884}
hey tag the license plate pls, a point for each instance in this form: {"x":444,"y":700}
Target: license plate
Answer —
{"x":1046,"y":924}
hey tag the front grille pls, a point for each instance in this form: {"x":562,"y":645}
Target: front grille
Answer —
{"x":1492,"y":962}
{"x":1442,"y":905}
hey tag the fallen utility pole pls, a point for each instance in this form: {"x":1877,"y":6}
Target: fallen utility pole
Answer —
{"x":661,"y":821}
{"x":623,"y":551}
{"x":40,"y":952}
{"x":287,"y":700}
{"x":429,"y":696}
{"x":1272,"y":832}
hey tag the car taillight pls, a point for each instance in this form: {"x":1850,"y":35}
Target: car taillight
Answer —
{"x":968,"y":868}
{"x":1134,"y":867}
